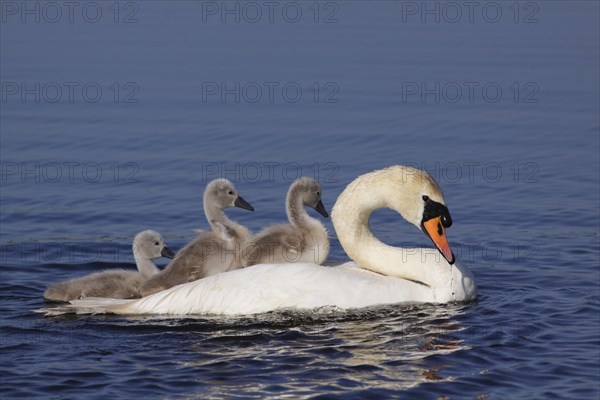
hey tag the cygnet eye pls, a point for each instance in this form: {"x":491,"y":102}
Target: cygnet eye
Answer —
{"x":231,"y":192}
{"x":156,"y":243}
{"x":318,"y":193}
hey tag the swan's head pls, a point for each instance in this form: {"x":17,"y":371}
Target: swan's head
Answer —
{"x":410,"y":191}
{"x":308,"y":191}
{"x":419,"y":199}
{"x":150,"y":245}
{"x":222,"y":194}
{"x":436,"y":218}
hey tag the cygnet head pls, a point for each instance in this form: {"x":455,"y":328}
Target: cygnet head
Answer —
{"x":149,"y":244}
{"x":222,"y":194}
{"x":309,"y":192}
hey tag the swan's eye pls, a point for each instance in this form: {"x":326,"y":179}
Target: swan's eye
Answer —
{"x":231,"y":192}
{"x":446,"y":221}
{"x":156,"y":243}
{"x":425,"y":198}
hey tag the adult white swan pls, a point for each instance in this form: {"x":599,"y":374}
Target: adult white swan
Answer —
{"x":381,"y":274}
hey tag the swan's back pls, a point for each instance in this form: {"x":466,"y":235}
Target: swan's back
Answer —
{"x":270,"y":287}
{"x":267,"y":287}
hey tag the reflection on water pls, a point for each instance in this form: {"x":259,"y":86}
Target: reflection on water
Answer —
{"x":386,"y":348}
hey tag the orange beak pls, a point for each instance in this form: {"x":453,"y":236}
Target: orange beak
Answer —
{"x":436,"y":232}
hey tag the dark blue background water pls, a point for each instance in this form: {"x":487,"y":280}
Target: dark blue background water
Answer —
{"x":115,"y":116}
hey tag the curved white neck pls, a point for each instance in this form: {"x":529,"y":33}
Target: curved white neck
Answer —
{"x":416,"y":264}
{"x":351,"y":214}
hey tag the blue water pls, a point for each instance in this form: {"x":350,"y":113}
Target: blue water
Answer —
{"x":114,"y":117}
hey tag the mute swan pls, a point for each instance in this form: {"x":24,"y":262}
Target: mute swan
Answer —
{"x":304,"y":239}
{"x":381,"y":274}
{"x":121,"y":284}
{"x":211,"y":252}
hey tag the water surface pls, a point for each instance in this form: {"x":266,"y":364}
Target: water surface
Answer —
{"x":504,"y":114}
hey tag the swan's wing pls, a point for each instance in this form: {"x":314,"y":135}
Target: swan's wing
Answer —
{"x":245,"y":291}
{"x":251,"y":290}
{"x":268,"y":287}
